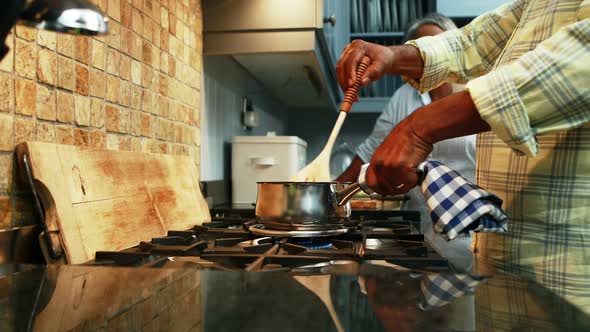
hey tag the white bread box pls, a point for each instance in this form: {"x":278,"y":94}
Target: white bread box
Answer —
{"x":263,"y":158}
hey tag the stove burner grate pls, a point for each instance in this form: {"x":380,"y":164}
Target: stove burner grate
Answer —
{"x":245,"y":244}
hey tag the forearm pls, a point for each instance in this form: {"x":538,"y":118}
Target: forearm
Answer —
{"x":449,"y":117}
{"x":408,"y":62}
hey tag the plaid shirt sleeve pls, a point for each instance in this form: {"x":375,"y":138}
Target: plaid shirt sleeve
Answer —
{"x":462,"y":54}
{"x":546,"y":89}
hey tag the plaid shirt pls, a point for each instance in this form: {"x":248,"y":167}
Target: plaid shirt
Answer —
{"x":527,"y":65}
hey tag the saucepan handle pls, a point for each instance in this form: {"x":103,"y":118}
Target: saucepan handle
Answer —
{"x":344,"y":195}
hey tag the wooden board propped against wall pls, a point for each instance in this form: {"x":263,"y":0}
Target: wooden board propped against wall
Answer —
{"x":112,"y":200}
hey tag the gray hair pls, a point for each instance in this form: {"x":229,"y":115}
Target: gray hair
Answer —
{"x":439,"y":20}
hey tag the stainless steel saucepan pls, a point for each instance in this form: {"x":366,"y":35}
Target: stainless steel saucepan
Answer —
{"x":309,"y":205}
{"x":301,"y":205}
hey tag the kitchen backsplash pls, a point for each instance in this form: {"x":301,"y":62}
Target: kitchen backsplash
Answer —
{"x":138,"y":88}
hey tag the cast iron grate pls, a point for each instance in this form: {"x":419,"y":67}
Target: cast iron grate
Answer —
{"x":226,"y":243}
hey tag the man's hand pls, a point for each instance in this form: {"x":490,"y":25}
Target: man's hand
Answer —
{"x":392,"y":60}
{"x":381,"y":60}
{"x":394,"y":164}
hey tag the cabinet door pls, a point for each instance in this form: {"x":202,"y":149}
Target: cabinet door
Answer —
{"x":234,"y":15}
{"x":336,"y":26}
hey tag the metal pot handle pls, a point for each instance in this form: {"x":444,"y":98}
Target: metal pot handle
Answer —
{"x":344,"y":195}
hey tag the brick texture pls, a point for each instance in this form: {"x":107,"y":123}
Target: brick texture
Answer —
{"x":46,"y":132}
{"x":81,"y":79}
{"x":98,"y":139}
{"x":26,"y":97}
{"x":47,"y":67}
{"x":46,"y":103}
{"x":138,"y":88}
{"x":6,"y":93}
{"x":25,"y":63}
{"x":65,"y":107}
{"x":6,"y":132}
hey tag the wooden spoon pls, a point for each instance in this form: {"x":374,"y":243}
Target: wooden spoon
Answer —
{"x":319,"y":169}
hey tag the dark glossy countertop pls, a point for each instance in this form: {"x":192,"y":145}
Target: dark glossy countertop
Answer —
{"x":353,"y":297}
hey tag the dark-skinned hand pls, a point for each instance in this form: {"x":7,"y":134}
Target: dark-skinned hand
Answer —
{"x":394,"y":164}
{"x":381,"y":60}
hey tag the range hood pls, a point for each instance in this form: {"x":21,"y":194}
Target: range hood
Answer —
{"x":281,"y":43}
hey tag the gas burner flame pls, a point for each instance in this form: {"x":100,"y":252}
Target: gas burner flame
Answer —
{"x":312,"y":243}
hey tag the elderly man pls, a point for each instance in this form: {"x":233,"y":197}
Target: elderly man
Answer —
{"x":527,"y":68}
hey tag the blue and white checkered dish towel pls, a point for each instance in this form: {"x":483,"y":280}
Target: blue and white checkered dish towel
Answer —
{"x":458,"y":206}
{"x":439,"y":289}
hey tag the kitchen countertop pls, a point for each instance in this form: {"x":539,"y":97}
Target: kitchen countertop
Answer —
{"x":367,"y":297}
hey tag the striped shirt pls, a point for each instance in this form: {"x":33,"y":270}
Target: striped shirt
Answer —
{"x":527,"y":65}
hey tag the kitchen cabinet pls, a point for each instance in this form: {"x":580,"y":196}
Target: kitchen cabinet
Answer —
{"x":290,"y":46}
{"x":336,"y":26}
{"x":382,"y":22}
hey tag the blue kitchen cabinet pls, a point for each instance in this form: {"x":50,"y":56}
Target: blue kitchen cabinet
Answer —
{"x":336,"y":26}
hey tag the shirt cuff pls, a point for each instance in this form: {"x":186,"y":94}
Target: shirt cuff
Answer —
{"x":498,"y":102}
{"x":436,"y":63}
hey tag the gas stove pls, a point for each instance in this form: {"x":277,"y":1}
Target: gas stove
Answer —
{"x":233,"y":240}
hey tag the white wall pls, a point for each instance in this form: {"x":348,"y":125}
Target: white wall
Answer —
{"x":225,"y":84}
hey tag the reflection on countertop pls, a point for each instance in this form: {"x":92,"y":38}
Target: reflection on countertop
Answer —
{"x":85,"y":298}
{"x":342,"y":296}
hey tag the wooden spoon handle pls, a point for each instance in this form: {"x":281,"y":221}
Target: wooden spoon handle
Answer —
{"x":353,"y":91}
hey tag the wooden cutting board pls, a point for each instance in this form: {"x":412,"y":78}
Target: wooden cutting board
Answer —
{"x":365,"y":204}
{"x":112,"y":200}
{"x":373,"y":204}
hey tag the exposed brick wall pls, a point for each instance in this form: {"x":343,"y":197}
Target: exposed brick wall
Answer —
{"x":136,"y":89}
